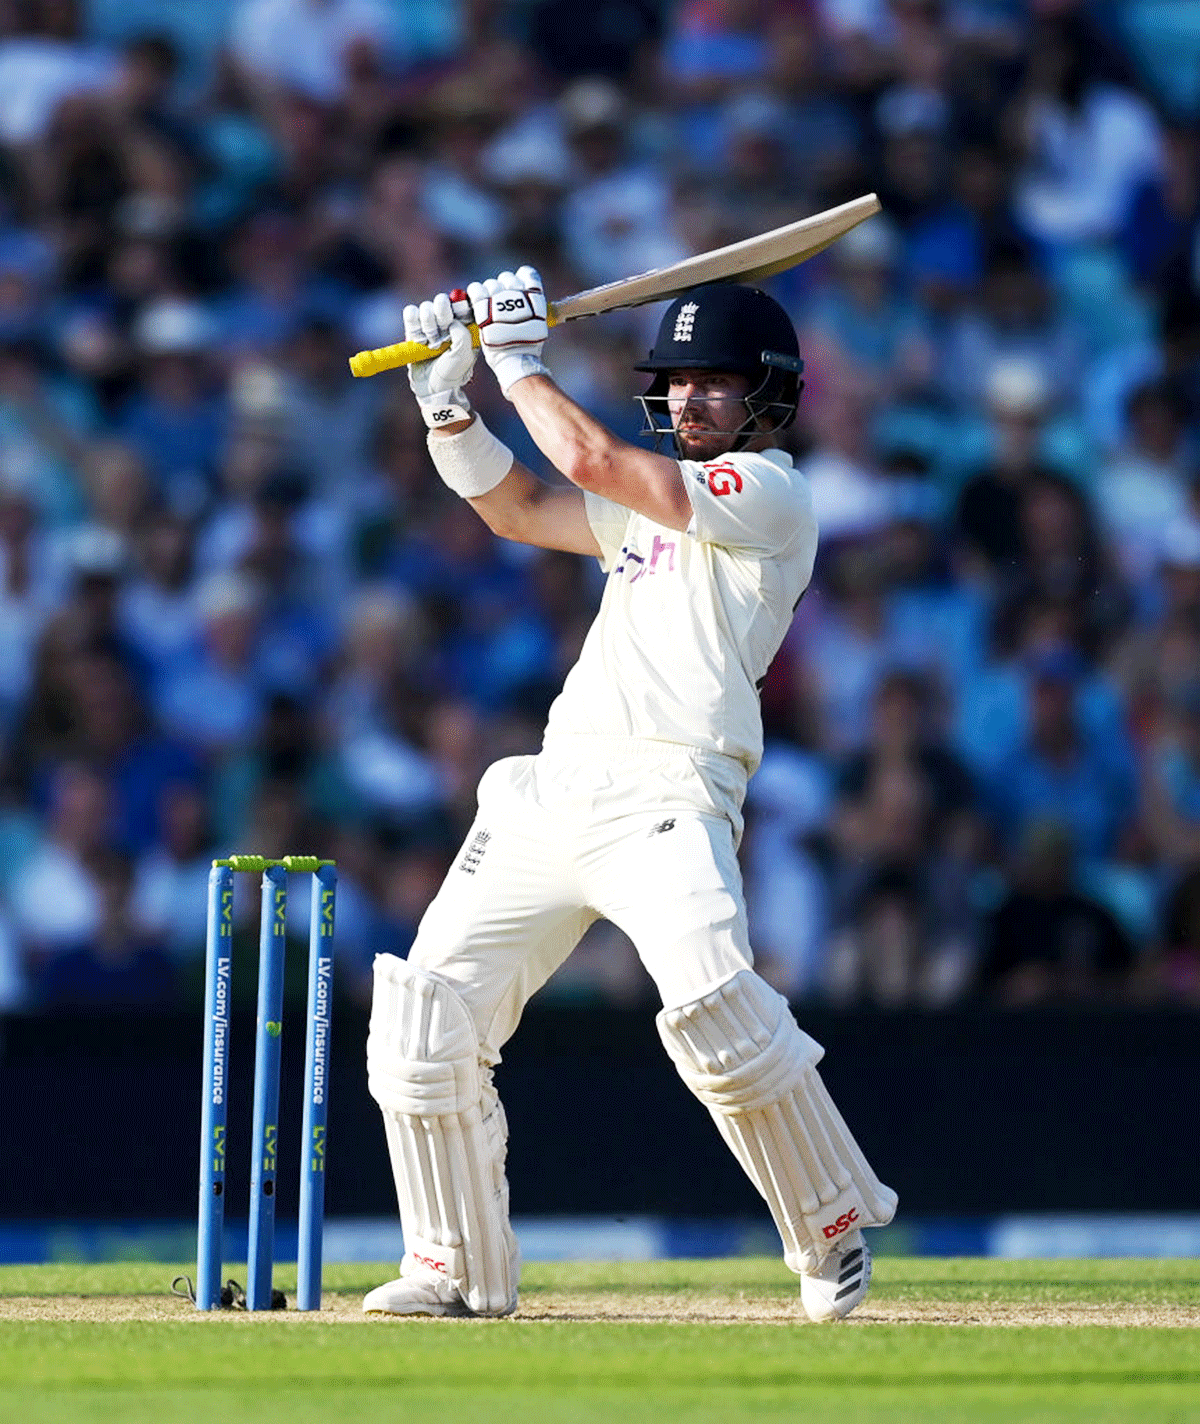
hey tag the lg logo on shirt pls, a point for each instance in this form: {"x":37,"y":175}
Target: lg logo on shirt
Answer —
{"x":724,"y":479}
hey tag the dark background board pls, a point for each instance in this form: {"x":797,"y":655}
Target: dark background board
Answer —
{"x":962,"y":1113}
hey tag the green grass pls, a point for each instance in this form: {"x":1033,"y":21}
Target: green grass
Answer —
{"x":332,"y":1368}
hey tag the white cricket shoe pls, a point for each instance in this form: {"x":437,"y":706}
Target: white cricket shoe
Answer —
{"x":840,"y":1284}
{"x":421,"y":1293}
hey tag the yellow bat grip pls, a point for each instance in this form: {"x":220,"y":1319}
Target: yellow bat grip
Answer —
{"x":404,"y":353}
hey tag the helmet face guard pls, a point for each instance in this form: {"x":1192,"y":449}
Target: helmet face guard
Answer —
{"x":737,"y":331}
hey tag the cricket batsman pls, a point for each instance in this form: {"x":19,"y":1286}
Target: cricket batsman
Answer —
{"x":633,"y":808}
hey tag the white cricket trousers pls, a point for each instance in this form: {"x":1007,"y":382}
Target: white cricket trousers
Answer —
{"x":640,"y":833}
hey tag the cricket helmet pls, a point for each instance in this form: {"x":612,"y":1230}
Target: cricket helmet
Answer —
{"x":740,"y":330}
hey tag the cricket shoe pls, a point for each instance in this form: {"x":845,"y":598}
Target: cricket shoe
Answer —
{"x":421,"y":1293}
{"x":841,"y":1282}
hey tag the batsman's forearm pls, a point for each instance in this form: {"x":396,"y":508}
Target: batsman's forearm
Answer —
{"x":574,"y":442}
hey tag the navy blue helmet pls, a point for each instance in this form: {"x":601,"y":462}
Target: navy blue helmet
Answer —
{"x":727,"y":328}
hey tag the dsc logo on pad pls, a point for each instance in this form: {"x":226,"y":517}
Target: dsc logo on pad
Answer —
{"x":843,"y":1223}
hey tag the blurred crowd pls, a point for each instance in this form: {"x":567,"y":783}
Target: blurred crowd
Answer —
{"x":238,"y":611}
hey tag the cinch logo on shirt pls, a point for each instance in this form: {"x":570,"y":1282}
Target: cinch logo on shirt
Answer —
{"x":630,"y":557}
{"x":724,"y":479}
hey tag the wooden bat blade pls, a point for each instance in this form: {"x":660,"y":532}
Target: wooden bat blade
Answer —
{"x":746,"y":261}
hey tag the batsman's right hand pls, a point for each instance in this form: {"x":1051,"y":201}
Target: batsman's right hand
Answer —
{"x":438,"y":383}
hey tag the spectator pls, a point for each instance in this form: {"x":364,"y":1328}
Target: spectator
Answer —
{"x":1015,"y":319}
{"x":176,"y":417}
{"x":710,"y":53}
{"x":456,"y":196}
{"x":273,"y":295}
{"x":888,"y":955}
{"x":1063,"y":560}
{"x":1171,"y":810}
{"x":1089,"y":144}
{"x":287,"y":753}
{"x":144,"y":88}
{"x":1058,"y":772}
{"x":44,"y":58}
{"x":304,"y":44}
{"x":27,"y":593}
{"x":1144,"y":486}
{"x":905,"y":733}
{"x":43,"y":424}
{"x":758,"y":178}
{"x":58,"y":902}
{"x":170,"y":892}
{"x":117,"y":490}
{"x":213,"y":697}
{"x":843,"y":643}
{"x":786,"y":898}
{"x":864,"y":319}
{"x":392,"y":776}
{"x":109,"y":727}
{"x":398,"y":236}
{"x":1162,"y":217}
{"x":384,"y":638}
{"x":936,"y":624}
{"x":1158,"y":658}
{"x":849,"y":498}
{"x":118,"y":965}
{"x":992,"y":716}
{"x":906,"y":834}
{"x":330,"y":416}
{"x":608,"y":38}
{"x":1046,"y":942}
{"x":157,"y":611}
{"x":619,"y":217}
{"x":988,"y":517}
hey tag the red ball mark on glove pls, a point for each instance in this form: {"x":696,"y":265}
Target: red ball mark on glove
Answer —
{"x":458,"y":295}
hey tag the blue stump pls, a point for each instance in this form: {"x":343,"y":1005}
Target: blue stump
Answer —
{"x":316,"y":1088}
{"x":264,"y":1140}
{"x":218,"y":964}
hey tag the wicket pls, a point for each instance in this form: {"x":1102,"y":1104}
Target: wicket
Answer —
{"x":265,"y":1133}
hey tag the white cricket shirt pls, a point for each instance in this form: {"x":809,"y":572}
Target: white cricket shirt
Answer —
{"x":690,"y":621}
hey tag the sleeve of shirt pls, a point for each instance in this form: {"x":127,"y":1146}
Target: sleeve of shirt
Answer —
{"x":747,"y":501}
{"x":609,"y":521}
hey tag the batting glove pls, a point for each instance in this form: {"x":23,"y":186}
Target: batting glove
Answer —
{"x":438,"y":383}
{"x":510,"y":312}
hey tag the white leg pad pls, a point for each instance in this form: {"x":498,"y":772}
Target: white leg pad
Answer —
{"x":445,"y":1133}
{"x":741,"y":1052}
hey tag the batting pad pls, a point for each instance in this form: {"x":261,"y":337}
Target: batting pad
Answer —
{"x":445,"y":1135}
{"x":741,"y":1052}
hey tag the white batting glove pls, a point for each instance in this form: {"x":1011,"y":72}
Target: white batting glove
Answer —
{"x":438,"y":383}
{"x":510,"y":312}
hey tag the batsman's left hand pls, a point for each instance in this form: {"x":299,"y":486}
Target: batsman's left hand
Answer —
{"x":438,"y":384}
{"x":510,"y":312}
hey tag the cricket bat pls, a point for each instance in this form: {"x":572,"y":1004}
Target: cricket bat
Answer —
{"x":745,"y":261}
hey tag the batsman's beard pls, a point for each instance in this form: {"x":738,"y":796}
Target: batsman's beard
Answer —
{"x":703,"y":442}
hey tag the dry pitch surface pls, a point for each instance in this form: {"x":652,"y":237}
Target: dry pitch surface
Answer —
{"x":1162,"y":1294}
{"x":701,"y":1342}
